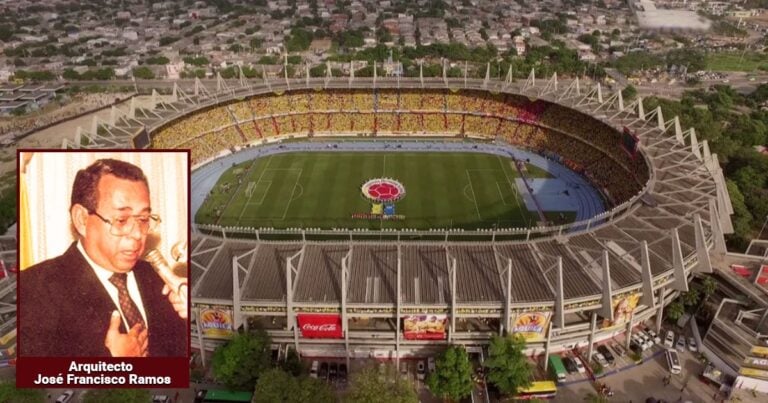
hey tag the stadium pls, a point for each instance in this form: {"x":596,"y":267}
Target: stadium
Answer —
{"x":321,"y":215}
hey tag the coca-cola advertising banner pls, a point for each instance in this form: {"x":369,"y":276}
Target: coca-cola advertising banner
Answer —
{"x":320,"y":326}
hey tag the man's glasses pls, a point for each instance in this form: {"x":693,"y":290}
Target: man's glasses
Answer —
{"x":124,"y":225}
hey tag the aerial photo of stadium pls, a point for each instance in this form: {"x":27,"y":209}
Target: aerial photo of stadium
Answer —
{"x":369,"y":217}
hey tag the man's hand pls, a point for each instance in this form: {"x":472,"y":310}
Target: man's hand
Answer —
{"x":178,"y":304}
{"x":132,"y":344}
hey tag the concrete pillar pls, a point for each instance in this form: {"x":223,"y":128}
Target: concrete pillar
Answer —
{"x":592,"y":328}
{"x":546,"y":346}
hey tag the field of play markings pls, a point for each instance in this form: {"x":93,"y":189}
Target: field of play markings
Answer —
{"x":323,"y":190}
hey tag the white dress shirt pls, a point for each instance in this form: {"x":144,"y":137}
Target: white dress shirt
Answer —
{"x":104,"y":275}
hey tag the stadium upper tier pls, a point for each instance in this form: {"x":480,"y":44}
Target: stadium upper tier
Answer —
{"x":583,"y":143}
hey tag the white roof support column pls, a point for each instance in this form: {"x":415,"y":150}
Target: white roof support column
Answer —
{"x":344,"y":275}
{"x":679,"y":132}
{"x":175,"y":92}
{"x":703,"y":265}
{"x":607,"y":301}
{"x":487,"y":75}
{"x":510,"y":78}
{"x":559,"y":311}
{"x":508,"y":302}
{"x":530,"y":81}
{"x":219,"y":82}
{"x":645,"y":263}
{"x":640,"y":109}
{"x":328,"y":74}
{"x":452,"y":270}
{"x":599,"y":93}
{"x":660,"y":119}
{"x":238,"y":316}
{"x":680,"y":282}
{"x":397,"y":307}
{"x":132,"y":108}
{"x":621,"y":101}
{"x":694,"y":143}
{"x":718,"y":237}
{"x":421,"y":73}
{"x":95,"y":126}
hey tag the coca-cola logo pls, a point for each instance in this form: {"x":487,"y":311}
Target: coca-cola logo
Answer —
{"x":327,"y":327}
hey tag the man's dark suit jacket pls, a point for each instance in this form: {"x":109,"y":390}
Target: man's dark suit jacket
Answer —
{"x":64,"y":311}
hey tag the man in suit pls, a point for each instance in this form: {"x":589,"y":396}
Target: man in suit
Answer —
{"x":99,"y":299}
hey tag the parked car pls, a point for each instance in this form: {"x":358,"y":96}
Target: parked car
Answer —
{"x":606,"y":353}
{"x":431,"y":364}
{"x":669,"y":340}
{"x":600,"y":359}
{"x":160,"y":399}
{"x":579,"y":365}
{"x":343,"y":372}
{"x":323,"y":373}
{"x":570,"y":365}
{"x":692,"y":345}
{"x":65,"y":397}
{"x":333,"y":371}
{"x":619,"y":349}
{"x":680,"y":346}
{"x":656,"y":339}
{"x":313,"y":369}
{"x":421,"y":370}
{"x":673,"y":362}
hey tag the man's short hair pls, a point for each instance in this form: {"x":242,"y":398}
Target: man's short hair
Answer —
{"x":85,"y":189}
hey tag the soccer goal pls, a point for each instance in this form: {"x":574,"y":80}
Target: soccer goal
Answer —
{"x":250,"y":188}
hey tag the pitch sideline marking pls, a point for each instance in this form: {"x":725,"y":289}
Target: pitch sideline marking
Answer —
{"x":474,"y":196}
{"x":290,"y":200}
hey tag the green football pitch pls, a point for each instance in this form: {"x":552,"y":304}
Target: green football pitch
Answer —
{"x":323,"y":190}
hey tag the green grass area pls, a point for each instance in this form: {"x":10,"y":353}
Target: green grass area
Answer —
{"x":323,"y":190}
{"x":734,"y":61}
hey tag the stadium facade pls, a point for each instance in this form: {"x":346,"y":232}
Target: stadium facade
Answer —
{"x":562,"y":287}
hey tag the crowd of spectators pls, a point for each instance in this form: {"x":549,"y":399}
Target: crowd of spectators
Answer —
{"x":584,"y":144}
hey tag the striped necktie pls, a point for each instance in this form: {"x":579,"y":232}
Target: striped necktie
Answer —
{"x":129,"y":308}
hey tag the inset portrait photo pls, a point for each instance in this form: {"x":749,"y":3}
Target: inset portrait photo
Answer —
{"x":103,"y":254}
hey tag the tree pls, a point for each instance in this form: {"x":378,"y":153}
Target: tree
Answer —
{"x":708,"y":287}
{"x":117,"y":396}
{"x":370,"y":386}
{"x":293,"y":364}
{"x":508,"y":368}
{"x":276,"y":385}
{"x":239,"y":363}
{"x":675,"y":311}
{"x":9,"y":394}
{"x":629,"y":92}
{"x":691,"y":297}
{"x":299,"y":40}
{"x":452,"y":378}
{"x":143,"y":72}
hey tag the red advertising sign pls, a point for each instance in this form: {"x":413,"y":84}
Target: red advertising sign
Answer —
{"x":320,"y":326}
